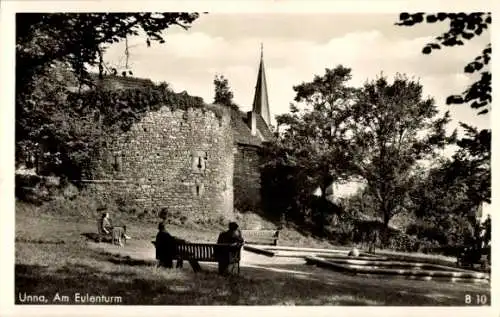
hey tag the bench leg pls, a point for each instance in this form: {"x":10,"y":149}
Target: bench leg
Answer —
{"x":179,"y":264}
{"x":195,"y":265}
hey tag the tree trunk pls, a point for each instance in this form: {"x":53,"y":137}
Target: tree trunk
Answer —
{"x":384,"y":238}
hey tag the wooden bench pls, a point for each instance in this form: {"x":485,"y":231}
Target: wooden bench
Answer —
{"x":266,"y":236}
{"x":205,"y":252}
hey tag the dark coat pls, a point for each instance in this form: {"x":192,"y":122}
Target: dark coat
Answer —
{"x":227,"y":254}
{"x":230,"y":237}
{"x":165,"y":246}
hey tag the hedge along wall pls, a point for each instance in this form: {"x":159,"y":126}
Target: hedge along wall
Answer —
{"x":181,"y":159}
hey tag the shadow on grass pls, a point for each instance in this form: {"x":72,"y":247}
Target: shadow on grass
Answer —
{"x":91,"y":236}
{"x":94,"y":237}
{"x":39,"y":241}
{"x":139,"y":283}
{"x":127,"y":260}
{"x":48,"y":269}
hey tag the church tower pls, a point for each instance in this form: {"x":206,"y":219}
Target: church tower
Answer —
{"x":260,"y":100}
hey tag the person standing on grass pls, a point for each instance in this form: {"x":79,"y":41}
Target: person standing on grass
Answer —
{"x":227,"y":256}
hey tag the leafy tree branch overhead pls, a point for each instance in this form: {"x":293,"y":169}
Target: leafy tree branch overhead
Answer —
{"x":80,"y":38}
{"x":473,"y":156}
{"x":462,"y":27}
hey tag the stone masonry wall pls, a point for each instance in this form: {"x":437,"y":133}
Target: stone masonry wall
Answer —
{"x":179,"y":159}
{"x":246,"y":181}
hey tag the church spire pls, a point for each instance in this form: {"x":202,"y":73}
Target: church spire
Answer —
{"x":260,"y":100}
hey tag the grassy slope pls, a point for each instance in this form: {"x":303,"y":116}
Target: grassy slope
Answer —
{"x":52,"y":256}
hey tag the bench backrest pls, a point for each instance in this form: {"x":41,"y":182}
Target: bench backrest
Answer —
{"x":196,"y":251}
{"x":267,"y":236}
{"x":203,"y":251}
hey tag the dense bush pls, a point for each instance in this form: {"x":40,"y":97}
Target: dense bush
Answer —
{"x":37,"y":189}
{"x":403,"y":242}
{"x":449,"y":230}
{"x":342,"y":232}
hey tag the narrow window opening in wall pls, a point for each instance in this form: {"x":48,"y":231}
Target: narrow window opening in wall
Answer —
{"x":117,"y":162}
{"x":145,"y":129}
{"x":198,"y":189}
{"x":97,"y":116}
{"x":198,"y":162}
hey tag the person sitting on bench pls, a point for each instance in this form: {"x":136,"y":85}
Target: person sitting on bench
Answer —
{"x":225,"y":256}
{"x":106,"y":227}
{"x":165,"y":247}
{"x":166,"y":250}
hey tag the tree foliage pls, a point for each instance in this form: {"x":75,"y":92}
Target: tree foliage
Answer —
{"x":447,"y":198}
{"x":310,"y":151}
{"x":445,"y":201}
{"x":316,"y":137}
{"x":463,"y":183}
{"x":80,"y":39}
{"x":73,"y":129}
{"x":54,"y":51}
{"x":394,"y":129}
{"x":223,"y":93}
{"x":379,"y":133}
{"x":462,"y":27}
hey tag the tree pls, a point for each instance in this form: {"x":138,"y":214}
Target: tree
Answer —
{"x":463,"y":27}
{"x":472,"y":160}
{"x":318,"y":134}
{"x":80,"y":39}
{"x":223,"y":93}
{"x":55,"y":51}
{"x":393,"y":129}
{"x":445,"y":201}
{"x":310,"y":151}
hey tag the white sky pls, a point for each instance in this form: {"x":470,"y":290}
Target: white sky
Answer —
{"x":296,"y":47}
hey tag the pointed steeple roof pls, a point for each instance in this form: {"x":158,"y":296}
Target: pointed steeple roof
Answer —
{"x":260,"y":100}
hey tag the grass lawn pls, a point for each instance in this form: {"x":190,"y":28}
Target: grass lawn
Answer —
{"x":53,"y":257}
